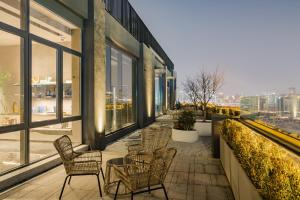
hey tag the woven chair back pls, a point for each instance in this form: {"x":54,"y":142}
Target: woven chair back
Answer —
{"x":64,"y":147}
{"x":155,"y":138}
{"x":161,"y":162}
{"x":141,"y":173}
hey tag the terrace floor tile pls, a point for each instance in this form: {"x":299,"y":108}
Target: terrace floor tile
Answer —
{"x":194,"y":175}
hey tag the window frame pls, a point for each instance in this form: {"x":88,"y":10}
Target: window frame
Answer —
{"x":79,"y":55}
{"x":26,"y":54}
{"x":109,"y":44}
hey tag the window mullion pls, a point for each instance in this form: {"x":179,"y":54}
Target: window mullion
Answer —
{"x":59,"y":78}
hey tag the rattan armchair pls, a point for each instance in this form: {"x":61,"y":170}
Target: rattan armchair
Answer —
{"x":140,"y":176}
{"x":78,"y":163}
{"x":152,"y":138}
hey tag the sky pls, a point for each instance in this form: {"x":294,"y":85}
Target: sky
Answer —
{"x":254,"y":43}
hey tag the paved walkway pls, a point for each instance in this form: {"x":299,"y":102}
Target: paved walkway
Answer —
{"x":194,"y":174}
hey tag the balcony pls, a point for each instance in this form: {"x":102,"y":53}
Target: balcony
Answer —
{"x":194,"y":174}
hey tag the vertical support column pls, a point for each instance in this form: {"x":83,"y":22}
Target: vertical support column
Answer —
{"x":165,"y":94}
{"x":76,"y":86}
{"x":172,"y":93}
{"x":174,"y":90}
{"x":24,"y":86}
{"x":140,"y":89}
{"x":149,"y":85}
{"x":99,"y":72}
{"x":88,"y":116}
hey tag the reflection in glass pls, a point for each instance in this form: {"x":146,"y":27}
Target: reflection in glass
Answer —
{"x":11,"y":83}
{"x":43,"y":83}
{"x":169,"y":91}
{"x":11,"y":150}
{"x":120,"y":91}
{"x":71,"y":82}
{"x":41,"y":139}
{"x":10,"y":12}
{"x":158,"y":95}
{"x":50,"y":26}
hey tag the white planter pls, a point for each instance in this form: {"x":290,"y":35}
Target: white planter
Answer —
{"x":184,"y":136}
{"x":203,"y":128}
{"x":241,"y":185}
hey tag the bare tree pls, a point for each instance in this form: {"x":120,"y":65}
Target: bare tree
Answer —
{"x":208,"y":84}
{"x":191,"y":88}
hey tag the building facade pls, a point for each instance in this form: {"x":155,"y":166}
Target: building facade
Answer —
{"x":89,"y":69}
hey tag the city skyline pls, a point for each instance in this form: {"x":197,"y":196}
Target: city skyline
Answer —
{"x":255,"y":43}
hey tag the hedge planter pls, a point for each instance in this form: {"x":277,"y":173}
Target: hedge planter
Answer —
{"x":241,"y":185}
{"x":184,"y":136}
{"x":225,"y":155}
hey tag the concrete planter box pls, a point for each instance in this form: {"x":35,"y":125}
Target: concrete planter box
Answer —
{"x":241,"y":185}
{"x":225,"y":155}
{"x":184,"y":136}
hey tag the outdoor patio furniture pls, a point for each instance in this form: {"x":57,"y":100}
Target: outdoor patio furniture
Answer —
{"x":152,"y":138}
{"x":140,"y":176}
{"x":78,"y":163}
{"x":111,"y":181}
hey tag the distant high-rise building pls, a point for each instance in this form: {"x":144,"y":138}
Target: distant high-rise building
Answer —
{"x":250,"y":104}
{"x":283,"y":105}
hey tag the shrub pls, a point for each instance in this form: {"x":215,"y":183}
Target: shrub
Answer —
{"x":178,"y":105}
{"x":273,"y":170}
{"x":230,"y":112}
{"x":224,"y":111}
{"x":186,"y":121}
{"x":213,"y":110}
{"x":237,"y":113}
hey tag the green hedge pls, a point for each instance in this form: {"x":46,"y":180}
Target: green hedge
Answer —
{"x":273,"y":170}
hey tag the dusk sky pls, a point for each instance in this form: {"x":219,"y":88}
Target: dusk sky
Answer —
{"x":256,"y":43}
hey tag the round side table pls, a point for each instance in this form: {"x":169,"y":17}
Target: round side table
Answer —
{"x":111,"y":180}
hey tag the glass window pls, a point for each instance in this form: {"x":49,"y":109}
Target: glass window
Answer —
{"x":72,"y":83}
{"x":11,"y":82}
{"x":158,"y":94}
{"x":10,"y":12}
{"x":43,"y":83}
{"x":41,"y":139}
{"x":50,"y":26}
{"x":120,"y":91}
{"x":11,"y":150}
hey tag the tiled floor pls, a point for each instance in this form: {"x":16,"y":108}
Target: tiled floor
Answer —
{"x":194,"y":174}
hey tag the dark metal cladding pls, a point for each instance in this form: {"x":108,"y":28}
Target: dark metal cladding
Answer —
{"x":122,"y":11}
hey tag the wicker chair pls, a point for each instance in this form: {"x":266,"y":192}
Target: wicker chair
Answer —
{"x":78,"y":163}
{"x":140,"y":176}
{"x":153,"y":138}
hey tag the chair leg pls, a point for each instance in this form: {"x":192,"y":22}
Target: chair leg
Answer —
{"x":163,"y":186}
{"x":149,"y":189}
{"x":102,"y":174}
{"x":99,"y":185}
{"x":62,"y":190}
{"x":131,"y":195}
{"x":116,"y":194}
{"x":69,"y":180}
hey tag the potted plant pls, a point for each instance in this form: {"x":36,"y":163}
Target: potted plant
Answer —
{"x":183,"y":130}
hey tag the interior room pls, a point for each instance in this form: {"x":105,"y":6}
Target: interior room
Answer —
{"x":54,"y":55}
